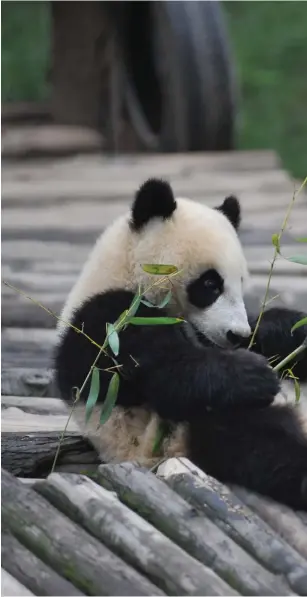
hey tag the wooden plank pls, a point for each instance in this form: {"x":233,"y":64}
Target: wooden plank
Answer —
{"x":199,"y":536}
{"x":32,"y":455}
{"x":66,"y":547}
{"x":35,"y":405}
{"x":25,"y":348}
{"x":63,"y":258}
{"x":21,"y":421}
{"x":31,"y":571}
{"x":18,"y":313}
{"x":28,"y":382}
{"x":38,"y":337}
{"x":161,"y":165}
{"x":279,"y":517}
{"x":87,"y":213}
{"x":59,"y":282}
{"x":123,"y":184}
{"x":251,"y":201}
{"x":239,"y":522}
{"x":289,"y":281}
{"x":30,"y":360}
{"x":21,"y":111}
{"x":11,"y":586}
{"x":51,"y":139}
{"x":133,"y":539}
{"x":32,"y":252}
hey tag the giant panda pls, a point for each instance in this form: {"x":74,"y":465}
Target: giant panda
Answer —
{"x":214,"y":398}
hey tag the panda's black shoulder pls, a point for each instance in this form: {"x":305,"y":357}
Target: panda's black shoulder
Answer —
{"x":109,"y":305}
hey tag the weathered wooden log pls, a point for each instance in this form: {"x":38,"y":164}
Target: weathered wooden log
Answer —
{"x":24,"y":347}
{"x":192,"y":530}
{"x":35,"y":405}
{"x":28,"y":315}
{"x":14,"y":112}
{"x":66,"y":547}
{"x":32,"y":571}
{"x":12,"y":587}
{"x":101,"y":513}
{"x":279,"y":517}
{"x":48,"y":140}
{"x":237,"y":520}
{"x":32,"y":455}
{"x":201,"y":175}
{"x":21,"y":381}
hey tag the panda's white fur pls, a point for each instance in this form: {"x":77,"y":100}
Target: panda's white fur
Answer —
{"x":194,"y":239}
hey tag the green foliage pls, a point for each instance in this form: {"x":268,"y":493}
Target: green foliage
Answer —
{"x":154,"y":320}
{"x":161,"y":433}
{"x":111,"y":398}
{"x":302,"y":259}
{"x":299,"y":324}
{"x":26,"y":37}
{"x":93,"y":394}
{"x":161,"y":305}
{"x":297,"y":387}
{"x":135,"y":304}
{"x":113,"y":339}
{"x":270,"y":47}
{"x":276,"y":241}
{"x":159,"y":269}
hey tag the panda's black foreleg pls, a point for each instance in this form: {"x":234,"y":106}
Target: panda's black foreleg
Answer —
{"x":274,"y":338}
{"x":159,"y":366}
{"x":264,"y":451}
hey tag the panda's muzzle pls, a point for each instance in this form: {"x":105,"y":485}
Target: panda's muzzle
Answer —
{"x":237,"y":340}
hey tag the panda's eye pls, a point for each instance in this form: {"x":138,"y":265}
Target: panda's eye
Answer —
{"x":205,"y":290}
{"x":209,"y":283}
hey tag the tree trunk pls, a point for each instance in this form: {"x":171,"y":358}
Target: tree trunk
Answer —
{"x":80,"y":71}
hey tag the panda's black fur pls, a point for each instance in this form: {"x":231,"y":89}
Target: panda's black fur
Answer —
{"x":222,"y":396}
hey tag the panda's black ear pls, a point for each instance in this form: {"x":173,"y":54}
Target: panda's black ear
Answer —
{"x":232,"y":210}
{"x":154,"y":199}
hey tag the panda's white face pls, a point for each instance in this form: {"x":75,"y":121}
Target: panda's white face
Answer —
{"x":204,"y":246}
{"x":202,"y":243}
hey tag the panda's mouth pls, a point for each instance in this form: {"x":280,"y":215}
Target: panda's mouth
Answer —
{"x":200,"y":337}
{"x":230,"y":341}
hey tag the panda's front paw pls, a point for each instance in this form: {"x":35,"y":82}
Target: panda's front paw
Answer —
{"x":255,"y":384}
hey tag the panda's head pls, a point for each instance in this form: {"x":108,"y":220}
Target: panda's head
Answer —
{"x":203,"y":244}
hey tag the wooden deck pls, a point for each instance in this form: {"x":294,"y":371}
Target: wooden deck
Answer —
{"x":185,"y":534}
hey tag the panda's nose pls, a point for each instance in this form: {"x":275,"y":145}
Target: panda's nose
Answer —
{"x":237,"y":340}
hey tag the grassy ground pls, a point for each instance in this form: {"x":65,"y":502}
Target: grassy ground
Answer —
{"x":25,"y":50}
{"x":270,"y":45}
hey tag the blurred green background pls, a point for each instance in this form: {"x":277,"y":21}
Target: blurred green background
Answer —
{"x":270,"y":46}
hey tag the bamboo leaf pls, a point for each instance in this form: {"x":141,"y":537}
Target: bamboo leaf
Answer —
{"x":111,"y":398}
{"x":159,"y":269}
{"x":299,"y":324}
{"x":148,"y":303}
{"x":276,"y":241}
{"x":113,"y":338}
{"x":154,"y":320}
{"x":135,"y":305}
{"x":165,"y":301}
{"x":160,"y":435}
{"x":297,"y":389}
{"x":94,"y":393}
{"x":302,"y":239}
{"x":122,"y":320}
{"x":302,"y":259}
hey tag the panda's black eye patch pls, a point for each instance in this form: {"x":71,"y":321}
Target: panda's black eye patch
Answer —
{"x":203,"y":291}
